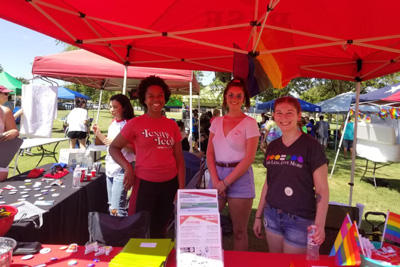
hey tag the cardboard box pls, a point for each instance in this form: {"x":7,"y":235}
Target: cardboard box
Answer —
{"x":68,"y":155}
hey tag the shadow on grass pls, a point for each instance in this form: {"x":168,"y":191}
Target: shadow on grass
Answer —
{"x":393,"y":184}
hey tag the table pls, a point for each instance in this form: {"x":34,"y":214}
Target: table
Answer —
{"x":39,"y":142}
{"x":67,"y":220}
{"x":252,"y":259}
{"x":64,"y":257}
{"x":96,"y":148}
{"x":232,"y":258}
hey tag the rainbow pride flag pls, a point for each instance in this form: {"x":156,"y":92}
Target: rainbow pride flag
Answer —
{"x":348,"y":253}
{"x":342,"y":233}
{"x":392,"y":228}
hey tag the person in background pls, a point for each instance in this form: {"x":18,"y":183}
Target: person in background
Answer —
{"x":202,"y":151}
{"x":348,"y":137}
{"x":9,"y":103}
{"x":122,"y":111}
{"x":195,"y":125}
{"x":322,"y":131}
{"x":310,"y":126}
{"x":160,"y":167}
{"x":231,"y":150}
{"x":184,"y":135}
{"x":303,"y":124}
{"x":8,"y":129}
{"x":77,"y":122}
{"x":295,"y":194}
{"x":272,"y":130}
{"x":216,"y":114}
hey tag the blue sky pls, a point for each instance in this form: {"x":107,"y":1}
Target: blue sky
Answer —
{"x":19,"y":46}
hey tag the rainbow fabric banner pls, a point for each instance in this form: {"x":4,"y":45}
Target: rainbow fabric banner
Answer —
{"x":342,"y":233}
{"x":348,"y":253}
{"x":392,"y":227}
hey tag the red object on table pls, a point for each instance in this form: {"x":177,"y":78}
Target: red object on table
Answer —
{"x":6,"y":222}
{"x":64,"y":257}
{"x":35,"y":173}
{"x":57,"y":175}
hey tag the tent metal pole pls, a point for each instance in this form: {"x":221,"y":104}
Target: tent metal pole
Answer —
{"x":340,"y":143}
{"x":125,"y":76}
{"x":353,"y":155}
{"x":98,"y":108}
{"x":198,"y":126}
{"x":190,"y":116}
{"x":337,"y":125}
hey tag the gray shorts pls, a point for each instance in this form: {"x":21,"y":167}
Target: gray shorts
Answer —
{"x":242,"y":187}
{"x":347,"y":143}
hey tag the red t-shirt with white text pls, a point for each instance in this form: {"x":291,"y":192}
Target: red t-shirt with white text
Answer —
{"x":154,"y":141}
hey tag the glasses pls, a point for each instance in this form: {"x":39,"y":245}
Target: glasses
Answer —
{"x":4,"y":93}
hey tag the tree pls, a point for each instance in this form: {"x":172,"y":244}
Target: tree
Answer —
{"x":1,"y":68}
{"x":22,"y":79}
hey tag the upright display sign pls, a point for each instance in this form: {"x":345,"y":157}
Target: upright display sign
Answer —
{"x":198,"y":229}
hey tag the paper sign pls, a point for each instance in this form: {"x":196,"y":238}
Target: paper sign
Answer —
{"x":148,"y":245}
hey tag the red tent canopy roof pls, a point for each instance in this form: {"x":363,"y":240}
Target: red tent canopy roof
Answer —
{"x":86,"y":68}
{"x":347,"y":40}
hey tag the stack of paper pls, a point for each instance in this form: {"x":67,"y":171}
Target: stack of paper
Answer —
{"x":198,"y":229}
{"x":143,"y":253}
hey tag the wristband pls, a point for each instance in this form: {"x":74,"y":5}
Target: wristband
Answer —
{"x":260,"y":218}
{"x":225,"y":183}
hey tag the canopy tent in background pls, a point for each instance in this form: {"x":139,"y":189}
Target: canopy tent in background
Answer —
{"x":174,"y":103}
{"x":337,"y":40}
{"x":65,"y":93}
{"x":83,"y":67}
{"x":11,"y":83}
{"x":341,"y":104}
{"x":305,"y":106}
{"x":386,"y":96}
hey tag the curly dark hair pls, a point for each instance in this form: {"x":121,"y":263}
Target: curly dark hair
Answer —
{"x":241,"y":84}
{"x":125,"y":103}
{"x":150,"y":81}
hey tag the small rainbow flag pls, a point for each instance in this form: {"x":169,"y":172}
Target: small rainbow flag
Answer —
{"x":367,"y":119}
{"x":342,"y":233}
{"x":348,"y":253}
{"x":392,"y":228}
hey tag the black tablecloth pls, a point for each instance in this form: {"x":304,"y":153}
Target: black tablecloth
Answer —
{"x":67,"y":220}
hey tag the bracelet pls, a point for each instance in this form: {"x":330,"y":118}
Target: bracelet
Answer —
{"x":226,"y":183}
{"x":260,"y":218}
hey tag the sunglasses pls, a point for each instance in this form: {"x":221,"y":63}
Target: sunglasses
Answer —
{"x":4,"y":93}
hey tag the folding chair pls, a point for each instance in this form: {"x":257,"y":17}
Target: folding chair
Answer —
{"x":116,"y":231}
{"x":334,"y":220}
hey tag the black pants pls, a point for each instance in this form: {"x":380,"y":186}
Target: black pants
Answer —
{"x":157,"y":199}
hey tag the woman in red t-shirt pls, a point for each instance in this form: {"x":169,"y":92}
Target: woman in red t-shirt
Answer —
{"x":160,"y":168}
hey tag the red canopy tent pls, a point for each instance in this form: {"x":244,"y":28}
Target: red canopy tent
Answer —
{"x":347,"y":40}
{"x":83,"y":67}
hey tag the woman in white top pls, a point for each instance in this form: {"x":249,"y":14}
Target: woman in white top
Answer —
{"x":8,"y":129}
{"x":122,"y":111}
{"x":231,"y":150}
{"x":77,"y":123}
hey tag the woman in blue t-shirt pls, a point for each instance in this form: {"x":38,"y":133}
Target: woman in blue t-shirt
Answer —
{"x":296,"y":164}
{"x":348,"y":137}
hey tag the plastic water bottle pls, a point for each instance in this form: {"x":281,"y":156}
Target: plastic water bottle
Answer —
{"x":76,"y":178}
{"x":312,"y":247}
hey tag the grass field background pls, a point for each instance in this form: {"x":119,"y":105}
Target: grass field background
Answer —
{"x":379,"y":199}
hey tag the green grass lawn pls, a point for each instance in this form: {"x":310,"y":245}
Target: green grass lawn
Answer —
{"x":380,"y":199}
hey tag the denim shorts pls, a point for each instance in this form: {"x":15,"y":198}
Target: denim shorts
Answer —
{"x":347,"y":143}
{"x":292,"y":227}
{"x":242,"y":187}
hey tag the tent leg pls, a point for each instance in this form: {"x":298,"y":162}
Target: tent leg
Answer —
{"x":98,"y":108}
{"x":190,"y":117}
{"x":353,"y":155}
{"x":340,"y":144}
{"x":374,"y":174}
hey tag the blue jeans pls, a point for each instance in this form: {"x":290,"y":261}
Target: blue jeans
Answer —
{"x":117,"y":196}
{"x":292,"y":227}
